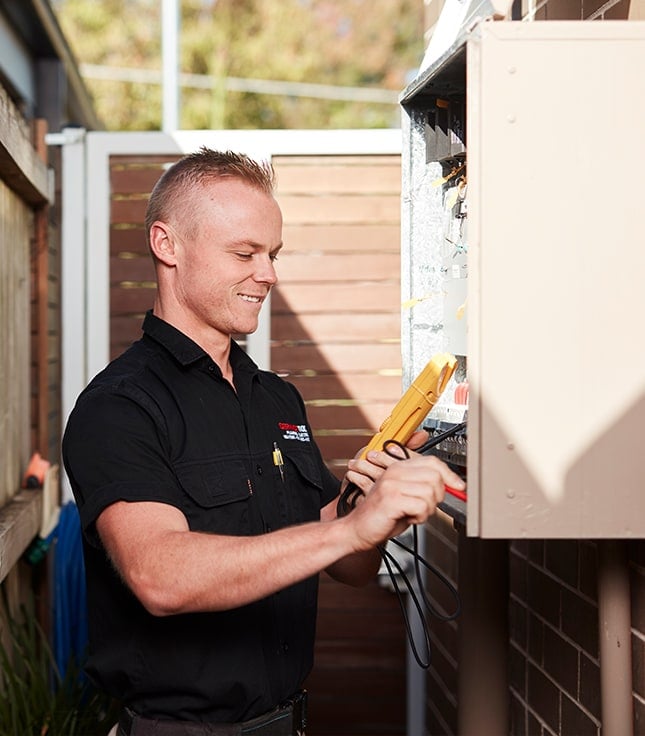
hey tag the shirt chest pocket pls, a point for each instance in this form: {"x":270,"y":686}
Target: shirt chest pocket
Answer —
{"x":302,"y":467}
{"x":218,"y":496}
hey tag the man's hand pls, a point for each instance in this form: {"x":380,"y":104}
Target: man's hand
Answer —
{"x":403,"y":492}
{"x":363,"y":473}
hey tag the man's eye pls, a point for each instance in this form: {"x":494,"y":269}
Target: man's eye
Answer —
{"x":244,"y":256}
{"x":273,"y":257}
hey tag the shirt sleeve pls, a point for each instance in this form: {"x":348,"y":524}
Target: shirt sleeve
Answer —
{"x":114,"y":449}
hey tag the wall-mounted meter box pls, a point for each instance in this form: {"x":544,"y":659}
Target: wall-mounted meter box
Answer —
{"x":524,"y":254}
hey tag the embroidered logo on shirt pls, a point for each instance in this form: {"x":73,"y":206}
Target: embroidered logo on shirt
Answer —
{"x":294,"y":432}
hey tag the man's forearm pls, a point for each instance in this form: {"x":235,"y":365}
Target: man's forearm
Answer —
{"x":174,"y":570}
{"x":357,"y":569}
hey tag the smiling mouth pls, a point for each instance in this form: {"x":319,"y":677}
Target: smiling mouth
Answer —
{"x":251,"y":299}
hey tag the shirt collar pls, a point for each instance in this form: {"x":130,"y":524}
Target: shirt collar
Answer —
{"x":186,"y":351}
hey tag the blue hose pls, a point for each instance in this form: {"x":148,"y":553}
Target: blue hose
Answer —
{"x":69,"y":592}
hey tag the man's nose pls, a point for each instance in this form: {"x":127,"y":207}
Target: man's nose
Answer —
{"x":266,"y":270}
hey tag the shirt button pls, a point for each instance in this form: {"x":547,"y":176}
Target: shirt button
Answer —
{"x":258,"y":468}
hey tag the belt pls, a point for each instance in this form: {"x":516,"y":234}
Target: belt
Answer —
{"x":288,"y":719}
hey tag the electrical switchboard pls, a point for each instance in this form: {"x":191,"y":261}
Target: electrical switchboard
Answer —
{"x":523,"y":255}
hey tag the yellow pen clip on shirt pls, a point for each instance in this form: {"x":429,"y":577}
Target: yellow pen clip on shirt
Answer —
{"x":277,"y":460}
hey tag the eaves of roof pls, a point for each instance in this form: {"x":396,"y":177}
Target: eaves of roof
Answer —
{"x":36,"y":23}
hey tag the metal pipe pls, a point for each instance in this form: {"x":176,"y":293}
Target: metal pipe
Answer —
{"x":170,"y":53}
{"x":416,"y":676}
{"x":614,"y":625}
{"x":483,"y":704}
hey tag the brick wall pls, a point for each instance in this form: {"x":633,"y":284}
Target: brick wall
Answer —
{"x":553,"y":649}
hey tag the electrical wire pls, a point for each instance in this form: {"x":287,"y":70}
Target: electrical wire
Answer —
{"x":426,"y":448}
{"x":347,"y":502}
{"x":438,"y":439}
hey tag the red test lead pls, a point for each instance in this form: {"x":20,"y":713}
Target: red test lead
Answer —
{"x":461,"y":495}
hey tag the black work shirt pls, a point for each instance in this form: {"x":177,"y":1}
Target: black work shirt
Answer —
{"x":160,"y":423}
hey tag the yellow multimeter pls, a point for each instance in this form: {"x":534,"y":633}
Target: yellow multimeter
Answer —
{"x":415,"y":403}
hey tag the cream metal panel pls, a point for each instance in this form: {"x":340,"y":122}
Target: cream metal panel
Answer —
{"x":556,"y":365}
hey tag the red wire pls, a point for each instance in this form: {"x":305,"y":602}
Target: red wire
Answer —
{"x":457,"y":494}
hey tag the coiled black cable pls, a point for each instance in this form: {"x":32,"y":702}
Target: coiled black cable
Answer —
{"x":347,"y":502}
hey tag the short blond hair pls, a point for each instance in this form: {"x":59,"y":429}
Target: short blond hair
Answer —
{"x":172,"y":195}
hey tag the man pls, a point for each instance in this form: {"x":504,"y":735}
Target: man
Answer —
{"x":206,"y":508}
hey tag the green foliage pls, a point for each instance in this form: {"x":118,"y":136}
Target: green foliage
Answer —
{"x":355,"y":43}
{"x":36,"y":699}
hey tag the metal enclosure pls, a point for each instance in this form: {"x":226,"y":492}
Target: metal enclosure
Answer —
{"x":548,"y":120}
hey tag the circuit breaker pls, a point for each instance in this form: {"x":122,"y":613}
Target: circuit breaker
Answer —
{"x":524,"y":255}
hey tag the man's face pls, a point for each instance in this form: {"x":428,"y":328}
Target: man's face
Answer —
{"x":225,"y":258}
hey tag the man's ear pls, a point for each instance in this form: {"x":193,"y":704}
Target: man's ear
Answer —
{"x":162,"y":243}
